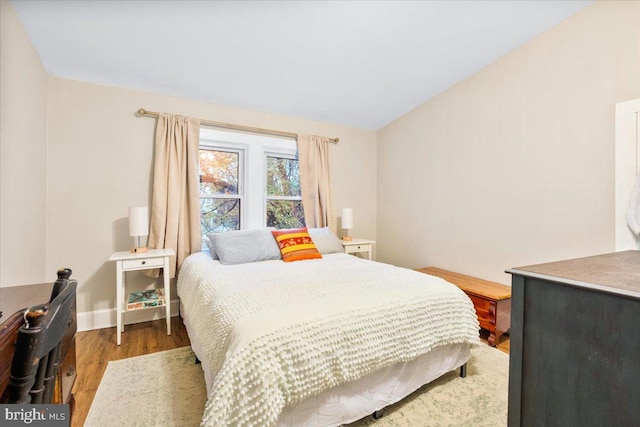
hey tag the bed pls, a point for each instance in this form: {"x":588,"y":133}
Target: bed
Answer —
{"x":320,"y":342}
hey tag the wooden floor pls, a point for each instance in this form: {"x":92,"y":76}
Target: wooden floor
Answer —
{"x":96,"y":348}
{"x":504,"y":344}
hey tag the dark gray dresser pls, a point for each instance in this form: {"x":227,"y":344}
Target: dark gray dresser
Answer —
{"x":575,"y":342}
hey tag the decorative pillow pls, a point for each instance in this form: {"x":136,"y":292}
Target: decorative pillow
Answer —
{"x":326,"y":241}
{"x":240,"y":247}
{"x":295,"y":244}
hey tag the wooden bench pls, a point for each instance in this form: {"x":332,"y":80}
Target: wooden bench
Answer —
{"x":492,"y":301}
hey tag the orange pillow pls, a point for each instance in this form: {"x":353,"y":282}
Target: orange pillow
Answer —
{"x":295,"y":244}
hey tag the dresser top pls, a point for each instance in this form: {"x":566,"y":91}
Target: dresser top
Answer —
{"x":17,"y":298}
{"x":617,"y":272}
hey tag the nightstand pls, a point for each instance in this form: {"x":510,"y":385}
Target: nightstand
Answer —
{"x":358,"y":245}
{"x":127,"y":261}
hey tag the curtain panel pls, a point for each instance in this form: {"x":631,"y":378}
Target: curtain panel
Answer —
{"x":315,"y":180}
{"x":175,"y":207}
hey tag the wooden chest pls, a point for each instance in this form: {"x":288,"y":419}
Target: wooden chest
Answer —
{"x":492,"y":301}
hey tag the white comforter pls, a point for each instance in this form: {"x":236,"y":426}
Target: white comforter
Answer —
{"x":274,"y":333}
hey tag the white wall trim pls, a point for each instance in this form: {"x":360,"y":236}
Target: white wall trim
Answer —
{"x":99,"y":319}
{"x":628,"y":107}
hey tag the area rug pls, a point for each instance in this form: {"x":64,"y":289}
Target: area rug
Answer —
{"x":168,"y":389}
{"x":159,"y":389}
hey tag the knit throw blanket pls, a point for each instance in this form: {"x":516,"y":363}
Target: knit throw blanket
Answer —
{"x":275,"y":333}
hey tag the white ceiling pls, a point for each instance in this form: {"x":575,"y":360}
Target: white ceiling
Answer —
{"x":358,"y":63}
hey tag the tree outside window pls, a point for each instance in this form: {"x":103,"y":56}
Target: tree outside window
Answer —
{"x":284,"y":198}
{"x":220,"y":195}
{"x":248,"y":184}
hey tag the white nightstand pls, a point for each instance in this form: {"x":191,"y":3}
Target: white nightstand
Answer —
{"x":358,"y":245}
{"x":127,"y":261}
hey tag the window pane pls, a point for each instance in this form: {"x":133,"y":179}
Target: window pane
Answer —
{"x":283,"y":177}
{"x":285,"y":214}
{"x":219,"y":172}
{"x":217,"y":215}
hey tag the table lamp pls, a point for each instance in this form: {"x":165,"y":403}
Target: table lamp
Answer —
{"x":138,"y":226}
{"x":347,"y":222}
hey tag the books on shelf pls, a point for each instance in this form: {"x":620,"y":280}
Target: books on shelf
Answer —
{"x":145,"y":299}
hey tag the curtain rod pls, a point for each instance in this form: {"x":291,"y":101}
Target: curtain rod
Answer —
{"x":143,"y":112}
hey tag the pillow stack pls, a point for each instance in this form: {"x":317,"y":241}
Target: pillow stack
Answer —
{"x":244,"y":246}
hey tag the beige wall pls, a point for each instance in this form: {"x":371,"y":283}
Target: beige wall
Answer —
{"x":510,"y":167}
{"x":23,"y":154}
{"x":100,"y":158}
{"x":514,"y":165}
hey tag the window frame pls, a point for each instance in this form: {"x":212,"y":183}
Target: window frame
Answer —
{"x":283,"y":154}
{"x":223,"y":146}
{"x":252,"y":175}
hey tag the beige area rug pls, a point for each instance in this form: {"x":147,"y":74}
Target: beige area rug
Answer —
{"x":158,"y":389}
{"x":480,"y":399}
{"x":168,"y":389}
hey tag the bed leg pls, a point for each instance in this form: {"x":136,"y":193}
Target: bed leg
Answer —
{"x":197,"y":360}
{"x":463,"y":371}
{"x":378,"y":414}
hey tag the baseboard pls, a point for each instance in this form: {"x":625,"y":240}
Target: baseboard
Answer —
{"x":99,"y":319}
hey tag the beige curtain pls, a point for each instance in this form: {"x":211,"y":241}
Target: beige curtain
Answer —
{"x":175,"y":207}
{"x":313,"y":156}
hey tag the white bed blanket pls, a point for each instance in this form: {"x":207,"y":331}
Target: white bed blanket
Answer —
{"x":275,"y":333}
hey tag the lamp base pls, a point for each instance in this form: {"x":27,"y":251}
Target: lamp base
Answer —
{"x":347,"y":238}
{"x":139,"y":250}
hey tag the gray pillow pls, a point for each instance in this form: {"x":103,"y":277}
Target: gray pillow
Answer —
{"x":239,"y":247}
{"x":325,"y":240}
{"x":212,"y":250}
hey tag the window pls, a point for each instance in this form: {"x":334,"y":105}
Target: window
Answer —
{"x":283,"y":198}
{"x":220,"y":190}
{"x":248,"y":181}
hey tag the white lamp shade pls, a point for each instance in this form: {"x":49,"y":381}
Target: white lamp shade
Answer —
{"x":139,"y":221}
{"x":347,"y":218}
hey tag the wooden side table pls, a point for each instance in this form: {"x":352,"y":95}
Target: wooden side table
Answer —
{"x":358,"y":245}
{"x":128,"y":261}
{"x":492,"y":301}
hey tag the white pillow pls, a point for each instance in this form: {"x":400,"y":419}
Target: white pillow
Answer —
{"x":325,"y":240}
{"x":239,"y":247}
